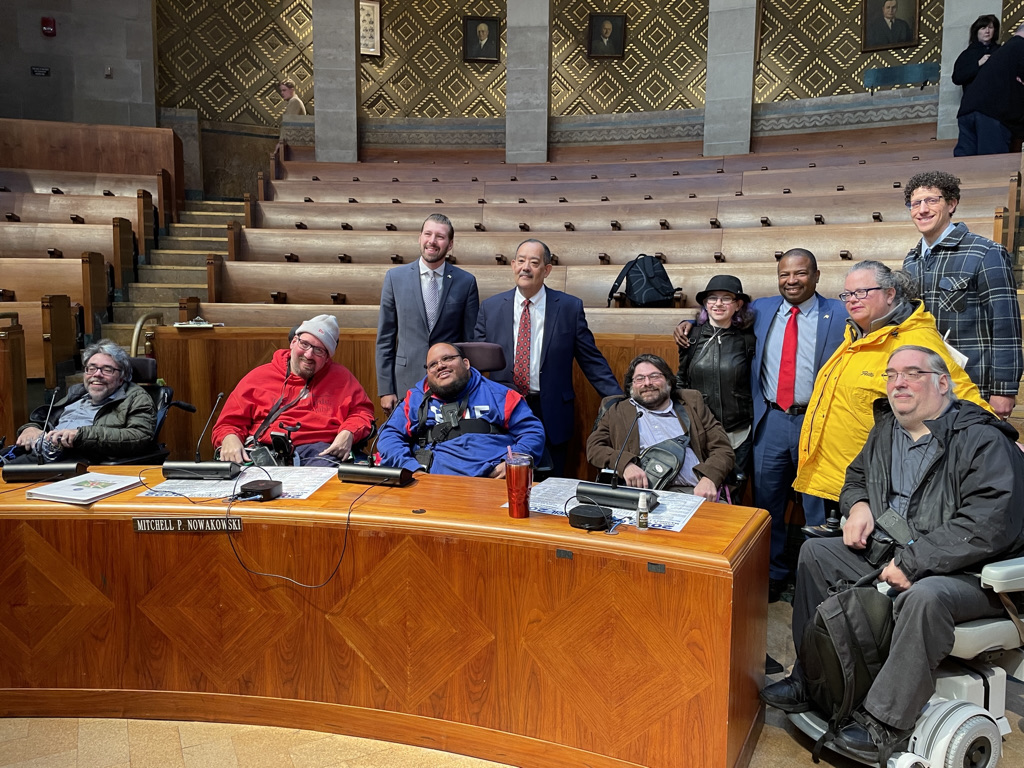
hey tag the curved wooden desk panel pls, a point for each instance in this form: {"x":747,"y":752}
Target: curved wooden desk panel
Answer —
{"x":522,"y":641}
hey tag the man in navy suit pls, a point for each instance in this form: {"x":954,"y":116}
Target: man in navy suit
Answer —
{"x":422,"y":304}
{"x":819,"y":330}
{"x":554,"y":335}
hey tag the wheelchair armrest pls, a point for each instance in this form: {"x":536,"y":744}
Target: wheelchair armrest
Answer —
{"x":1004,"y":576}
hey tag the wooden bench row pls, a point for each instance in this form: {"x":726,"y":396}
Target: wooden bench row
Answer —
{"x":82,"y":278}
{"x":700,"y":213}
{"x":84,"y":209}
{"x":983,"y":171}
{"x":351,"y":284}
{"x":86,"y":184}
{"x":610,"y":168}
{"x":51,"y":335}
{"x":841,"y":242}
{"x":115,"y":241}
{"x":600,"y":319}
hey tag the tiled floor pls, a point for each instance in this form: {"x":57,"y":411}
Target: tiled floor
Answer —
{"x":87,"y":743}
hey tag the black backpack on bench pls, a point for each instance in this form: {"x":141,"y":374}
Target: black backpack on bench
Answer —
{"x":647,"y":283}
{"x":843,"y":649}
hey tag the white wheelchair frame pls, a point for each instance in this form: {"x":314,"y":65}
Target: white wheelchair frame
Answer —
{"x":963,"y":723}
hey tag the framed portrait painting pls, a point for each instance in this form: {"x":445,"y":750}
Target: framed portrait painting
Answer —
{"x":887,"y":24}
{"x":606,"y":36}
{"x":481,"y":38}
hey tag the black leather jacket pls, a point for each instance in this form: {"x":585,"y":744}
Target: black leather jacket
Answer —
{"x":968,"y":509}
{"x":717,"y":364}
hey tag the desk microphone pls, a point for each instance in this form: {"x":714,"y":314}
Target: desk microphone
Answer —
{"x":199,"y":469}
{"x":615,"y":477}
{"x":46,"y":426}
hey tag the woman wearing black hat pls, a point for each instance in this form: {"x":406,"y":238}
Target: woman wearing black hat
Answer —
{"x":717,"y":364}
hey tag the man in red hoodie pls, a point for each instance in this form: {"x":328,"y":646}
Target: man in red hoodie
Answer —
{"x":300,"y":387}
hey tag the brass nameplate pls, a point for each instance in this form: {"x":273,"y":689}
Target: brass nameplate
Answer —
{"x":187,"y":524}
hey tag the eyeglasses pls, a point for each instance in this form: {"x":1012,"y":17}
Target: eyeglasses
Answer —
{"x":654,"y":378}
{"x":909,"y":376}
{"x":442,"y":361}
{"x":726,"y":300}
{"x":106,"y":370}
{"x":860,"y":294}
{"x":931,"y":202}
{"x":305,"y":346}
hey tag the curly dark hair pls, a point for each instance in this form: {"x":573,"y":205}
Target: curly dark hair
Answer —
{"x":657,"y":362}
{"x":946,"y":183}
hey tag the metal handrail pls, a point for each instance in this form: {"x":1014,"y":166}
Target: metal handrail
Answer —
{"x":159,"y":316}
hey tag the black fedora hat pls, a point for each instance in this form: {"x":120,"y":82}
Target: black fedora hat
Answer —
{"x":729,"y":283}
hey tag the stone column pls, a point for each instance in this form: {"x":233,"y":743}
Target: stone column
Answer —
{"x":958,"y":15}
{"x":527,"y":81}
{"x":336,"y":79}
{"x":729,"y":95}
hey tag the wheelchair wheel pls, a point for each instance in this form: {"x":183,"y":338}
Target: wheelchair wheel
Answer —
{"x":975,"y":744}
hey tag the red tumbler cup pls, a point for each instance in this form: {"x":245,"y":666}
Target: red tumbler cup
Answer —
{"x":518,"y":479}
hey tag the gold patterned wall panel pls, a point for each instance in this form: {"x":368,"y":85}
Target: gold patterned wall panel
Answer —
{"x":812,"y":48}
{"x":421,"y":72}
{"x":664,"y":67}
{"x":1013,"y":17}
{"x":224,"y":58}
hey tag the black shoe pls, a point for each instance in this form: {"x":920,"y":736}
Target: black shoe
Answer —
{"x":870,"y":739}
{"x":788,"y":694}
{"x":775,"y":589}
{"x":771,"y":666}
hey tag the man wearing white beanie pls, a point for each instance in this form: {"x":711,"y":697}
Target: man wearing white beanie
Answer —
{"x":300,"y":387}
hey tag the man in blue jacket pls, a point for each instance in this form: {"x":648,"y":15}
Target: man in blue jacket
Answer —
{"x":457,"y":422}
{"x":796,"y":332}
{"x":542,"y":331}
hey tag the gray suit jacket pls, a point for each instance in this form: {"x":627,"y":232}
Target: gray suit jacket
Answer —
{"x":402,"y":338}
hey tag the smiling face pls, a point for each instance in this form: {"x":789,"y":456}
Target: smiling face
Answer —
{"x":307,"y":356}
{"x":447,"y":371}
{"x":435,"y":242}
{"x":649,"y":387}
{"x":915,"y":401}
{"x":102,"y":382}
{"x":874,"y":305}
{"x":931,"y":219}
{"x":797,"y":278}
{"x":721,"y":306}
{"x":529,"y":269}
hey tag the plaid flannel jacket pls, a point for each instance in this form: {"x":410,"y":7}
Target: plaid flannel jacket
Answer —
{"x":967,"y":283}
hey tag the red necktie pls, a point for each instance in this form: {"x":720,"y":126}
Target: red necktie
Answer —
{"x":787,"y":369}
{"x":521,"y":365}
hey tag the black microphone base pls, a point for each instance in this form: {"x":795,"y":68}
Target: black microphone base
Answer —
{"x":620,"y":498}
{"x":203,"y":470}
{"x":361,"y":473}
{"x":43,"y":473}
{"x":590,"y":517}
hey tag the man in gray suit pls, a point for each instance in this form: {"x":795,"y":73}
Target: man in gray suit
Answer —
{"x":422,"y":304}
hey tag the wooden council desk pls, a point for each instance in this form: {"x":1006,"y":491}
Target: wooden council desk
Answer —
{"x":520,"y":641}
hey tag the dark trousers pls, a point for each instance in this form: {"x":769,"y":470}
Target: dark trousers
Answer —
{"x":775,"y":461}
{"x":981,"y":135}
{"x":556,"y":453}
{"x":925,"y":616}
{"x":309,"y":455}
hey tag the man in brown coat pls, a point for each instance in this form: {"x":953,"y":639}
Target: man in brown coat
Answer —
{"x":655,"y":412}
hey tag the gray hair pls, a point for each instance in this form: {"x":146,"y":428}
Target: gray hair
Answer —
{"x":896,"y":279}
{"x":112,"y":350}
{"x":544,"y":248}
{"x":935,"y":363}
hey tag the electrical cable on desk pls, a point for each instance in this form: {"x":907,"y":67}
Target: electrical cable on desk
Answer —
{"x":190,"y":500}
{"x":337,"y":567}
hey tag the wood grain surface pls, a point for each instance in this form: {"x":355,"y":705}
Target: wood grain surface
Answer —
{"x":523,"y":641}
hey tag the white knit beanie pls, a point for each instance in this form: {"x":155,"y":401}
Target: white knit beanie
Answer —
{"x":325,"y":328}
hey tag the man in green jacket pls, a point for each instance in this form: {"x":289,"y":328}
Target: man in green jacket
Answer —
{"x":106,"y":418}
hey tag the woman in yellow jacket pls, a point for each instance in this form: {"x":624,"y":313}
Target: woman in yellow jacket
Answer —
{"x":884,"y":315}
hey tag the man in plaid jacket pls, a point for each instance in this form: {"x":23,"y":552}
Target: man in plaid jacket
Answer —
{"x":966,"y":282}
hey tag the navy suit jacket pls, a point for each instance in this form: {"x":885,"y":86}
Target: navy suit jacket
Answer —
{"x":831,"y":326}
{"x":566,"y":338}
{"x":402,"y":337}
